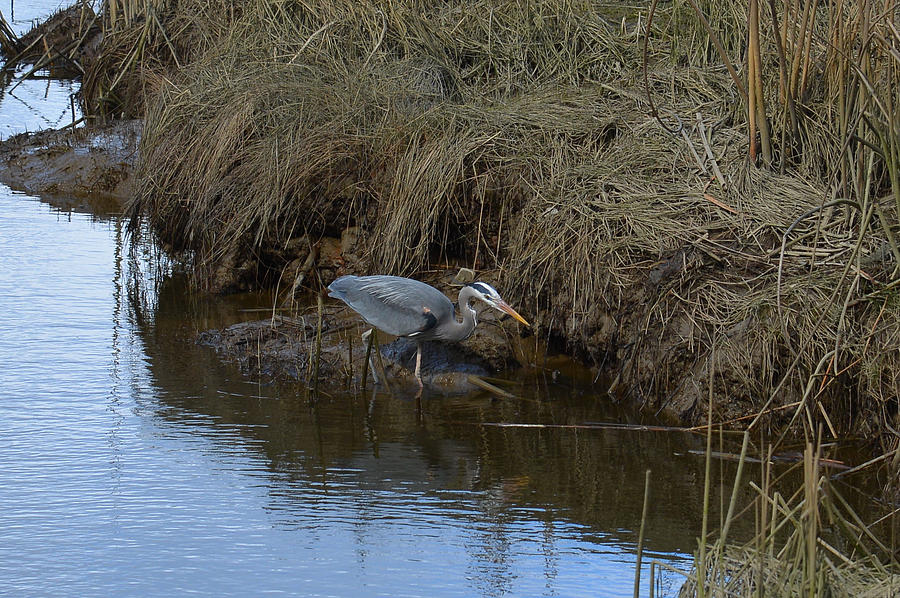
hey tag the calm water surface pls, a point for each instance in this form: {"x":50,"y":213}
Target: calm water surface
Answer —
{"x":134,"y":463}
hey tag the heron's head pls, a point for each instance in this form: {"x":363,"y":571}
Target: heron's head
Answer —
{"x":489,"y":295}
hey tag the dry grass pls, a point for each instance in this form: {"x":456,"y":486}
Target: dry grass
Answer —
{"x":518,"y":137}
{"x":143,"y":43}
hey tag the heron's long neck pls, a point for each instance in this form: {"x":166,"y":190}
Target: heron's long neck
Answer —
{"x":462,"y":330}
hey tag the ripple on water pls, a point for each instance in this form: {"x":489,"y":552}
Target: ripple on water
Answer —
{"x":122,"y":473}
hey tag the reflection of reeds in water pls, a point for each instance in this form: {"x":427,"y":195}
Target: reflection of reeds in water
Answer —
{"x":318,"y":354}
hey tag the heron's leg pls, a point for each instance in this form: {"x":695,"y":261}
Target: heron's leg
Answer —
{"x":419,"y":364}
{"x":368,"y":341}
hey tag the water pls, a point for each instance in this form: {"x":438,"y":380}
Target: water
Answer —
{"x":34,"y":104}
{"x":134,"y":463}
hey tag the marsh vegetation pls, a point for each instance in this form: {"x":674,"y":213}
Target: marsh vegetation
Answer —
{"x":699,"y":198}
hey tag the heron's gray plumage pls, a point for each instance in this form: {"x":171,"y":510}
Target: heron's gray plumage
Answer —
{"x":396,"y":305}
{"x":407,"y":307}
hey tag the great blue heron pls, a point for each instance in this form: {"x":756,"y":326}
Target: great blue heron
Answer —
{"x":415,"y":310}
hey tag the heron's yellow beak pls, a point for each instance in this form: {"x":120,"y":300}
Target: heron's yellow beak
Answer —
{"x":506,"y":308}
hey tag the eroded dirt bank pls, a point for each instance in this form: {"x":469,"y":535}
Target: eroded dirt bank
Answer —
{"x":92,"y":163}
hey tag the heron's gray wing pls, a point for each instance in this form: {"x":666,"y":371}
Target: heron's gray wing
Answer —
{"x":399,"y":306}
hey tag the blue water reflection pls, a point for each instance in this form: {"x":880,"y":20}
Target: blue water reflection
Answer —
{"x":123,"y":473}
{"x":135,"y":463}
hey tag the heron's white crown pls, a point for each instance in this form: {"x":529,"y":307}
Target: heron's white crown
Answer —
{"x":486,"y":292}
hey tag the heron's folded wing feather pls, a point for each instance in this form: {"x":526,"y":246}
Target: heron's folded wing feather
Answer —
{"x":396,"y":309}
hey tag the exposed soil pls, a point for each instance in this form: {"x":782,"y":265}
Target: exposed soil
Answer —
{"x":82,"y":163}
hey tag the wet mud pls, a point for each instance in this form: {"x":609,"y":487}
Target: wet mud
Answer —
{"x":88,"y":163}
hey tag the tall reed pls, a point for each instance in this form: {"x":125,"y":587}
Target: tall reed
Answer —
{"x":808,"y":541}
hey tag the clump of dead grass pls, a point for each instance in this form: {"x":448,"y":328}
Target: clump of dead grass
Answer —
{"x":520,"y":138}
{"x":362,"y":116}
{"x":143,"y":43}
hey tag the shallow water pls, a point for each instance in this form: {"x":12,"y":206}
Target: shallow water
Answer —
{"x":134,"y":463}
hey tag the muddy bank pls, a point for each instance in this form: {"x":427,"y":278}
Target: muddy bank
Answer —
{"x":87,"y":163}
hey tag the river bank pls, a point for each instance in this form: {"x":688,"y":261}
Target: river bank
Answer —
{"x":90,"y":164}
{"x":714,"y":272}
{"x":679,"y":266}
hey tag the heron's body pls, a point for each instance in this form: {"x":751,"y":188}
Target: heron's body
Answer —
{"x":400,"y":306}
{"x":413,"y":309}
